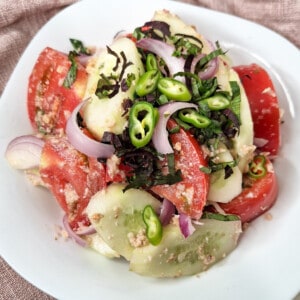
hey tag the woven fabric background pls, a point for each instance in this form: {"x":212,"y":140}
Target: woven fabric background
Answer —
{"x":21,"y":19}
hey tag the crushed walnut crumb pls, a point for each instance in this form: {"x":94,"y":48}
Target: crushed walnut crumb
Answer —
{"x":139,"y":239}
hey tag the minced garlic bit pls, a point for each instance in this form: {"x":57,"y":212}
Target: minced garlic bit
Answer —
{"x":112,"y":165}
{"x":70,"y":194}
{"x":186,"y":193}
{"x":59,"y":232}
{"x":96,"y":217}
{"x":177,"y":146}
{"x":269,"y":91}
{"x":139,"y":239}
{"x":268,"y":216}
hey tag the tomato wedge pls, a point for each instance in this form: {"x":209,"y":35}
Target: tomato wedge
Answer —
{"x":189,"y":195}
{"x":71,"y":177}
{"x":49,"y":103}
{"x":264,"y":106}
{"x":255,"y":199}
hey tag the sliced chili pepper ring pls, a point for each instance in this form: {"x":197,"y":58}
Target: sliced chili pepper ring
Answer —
{"x":190,"y":116}
{"x":142,"y":120}
{"x":257,"y":168}
{"x":153,"y":225}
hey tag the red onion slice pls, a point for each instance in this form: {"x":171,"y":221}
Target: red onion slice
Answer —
{"x":86,"y":230}
{"x":165,"y":51}
{"x":160,"y":136}
{"x":82,"y":142}
{"x":84,"y":59}
{"x":24,"y":152}
{"x":260,"y":142}
{"x":72,"y":234}
{"x":210,"y":69}
{"x":186,"y":226}
{"x":167,"y":212}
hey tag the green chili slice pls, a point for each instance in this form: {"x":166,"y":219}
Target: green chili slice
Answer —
{"x":147,"y":83}
{"x":153,"y":225}
{"x":151,"y":62}
{"x":257,"y":168}
{"x":190,"y":116}
{"x":174,"y":89}
{"x":142,"y":120}
{"x":217,"y":102}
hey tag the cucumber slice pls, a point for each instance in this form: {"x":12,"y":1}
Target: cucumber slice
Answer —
{"x":243,"y":143}
{"x":117,"y":217}
{"x":178,"y":26}
{"x":221,"y":189}
{"x":96,"y":243}
{"x":107,"y":114}
{"x":176,"y":256}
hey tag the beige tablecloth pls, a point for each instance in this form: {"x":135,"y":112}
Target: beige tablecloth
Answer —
{"x":21,"y":19}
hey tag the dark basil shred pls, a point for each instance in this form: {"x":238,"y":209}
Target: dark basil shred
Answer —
{"x":109,"y":86}
{"x":153,"y":29}
{"x":113,"y":53}
{"x":145,"y":168}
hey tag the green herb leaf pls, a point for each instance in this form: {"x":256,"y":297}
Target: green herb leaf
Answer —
{"x":205,"y":170}
{"x":235,"y":104}
{"x":219,"y":217}
{"x":71,"y":75}
{"x":204,"y":60}
{"x":79,"y":48}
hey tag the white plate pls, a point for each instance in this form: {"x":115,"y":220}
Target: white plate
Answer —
{"x":266,"y":264}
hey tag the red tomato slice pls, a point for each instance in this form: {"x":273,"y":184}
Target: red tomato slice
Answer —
{"x":49,"y":103}
{"x":255,"y":200}
{"x":189,"y":195}
{"x":264,"y":106}
{"x":116,"y":171}
{"x":71,"y":177}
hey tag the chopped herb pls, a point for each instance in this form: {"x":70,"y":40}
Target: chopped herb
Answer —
{"x":107,"y":86}
{"x":162,"y":99}
{"x":124,"y":65}
{"x":79,"y":47}
{"x":129,"y":79}
{"x":205,"y":170}
{"x":191,"y":37}
{"x":219,"y":217}
{"x":204,"y":60}
{"x":113,"y":53}
{"x":184,"y":47}
{"x":153,"y":29}
{"x":235,"y":104}
{"x":71,"y":75}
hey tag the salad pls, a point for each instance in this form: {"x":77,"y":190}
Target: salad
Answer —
{"x":156,"y":148}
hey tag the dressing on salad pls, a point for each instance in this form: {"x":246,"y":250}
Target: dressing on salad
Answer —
{"x":152,"y":145}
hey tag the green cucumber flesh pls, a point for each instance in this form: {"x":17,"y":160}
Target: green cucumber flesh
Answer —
{"x":117,"y":217}
{"x":177,"y":256}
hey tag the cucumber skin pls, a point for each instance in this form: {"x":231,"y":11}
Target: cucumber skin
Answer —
{"x":176,"y":256}
{"x":120,"y":216}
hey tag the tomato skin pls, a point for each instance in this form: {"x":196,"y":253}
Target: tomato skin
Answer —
{"x":49,"y":103}
{"x":189,"y":195}
{"x":263,"y":104}
{"x":255,"y":200}
{"x":72,"y":178}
